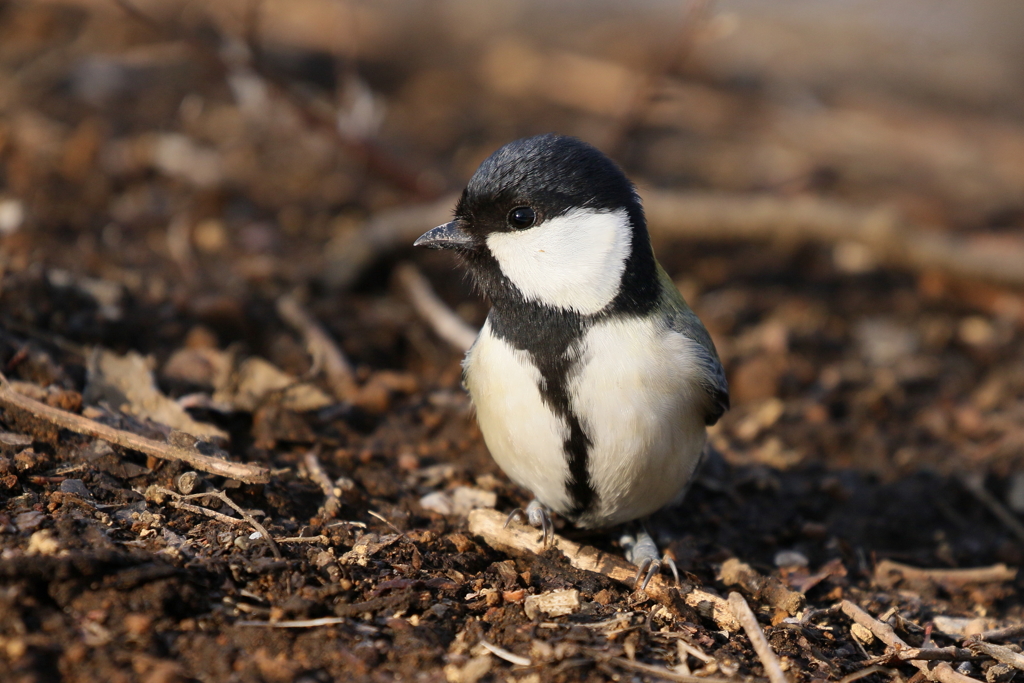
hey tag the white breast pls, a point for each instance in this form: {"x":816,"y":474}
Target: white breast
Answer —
{"x":574,"y":261}
{"x":636,"y":396}
{"x":524,"y":437}
{"x":635,"y":393}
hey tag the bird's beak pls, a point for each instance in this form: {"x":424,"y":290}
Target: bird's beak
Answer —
{"x":447,"y":236}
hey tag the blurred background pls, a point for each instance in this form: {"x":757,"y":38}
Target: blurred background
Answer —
{"x":206,"y":219}
{"x":837,"y":187}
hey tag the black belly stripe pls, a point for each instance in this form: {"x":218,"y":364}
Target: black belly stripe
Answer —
{"x":552,"y":338}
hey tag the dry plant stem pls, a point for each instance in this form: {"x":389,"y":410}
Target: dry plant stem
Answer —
{"x":728,"y":216}
{"x":386,"y":231}
{"x":663,"y":672}
{"x":245,"y":515}
{"x":997,"y":573}
{"x":517,"y":539}
{"x":725,"y":216}
{"x":1005,"y":633}
{"x":502,"y":653}
{"x":219,"y":516}
{"x":304,"y":539}
{"x":325,"y":353}
{"x":296,"y":623}
{"x":941,"y":672}
{"x":1000,"y":653}
{"x":760,"y":644}
{"x":316,"y":472}
{"x":976,"y":485}
{"x":934,"y":654}
{"x":866,"y":671}
{"x":249,"y":474}
{"x":443,"y":320}
{"x":223,"y":497}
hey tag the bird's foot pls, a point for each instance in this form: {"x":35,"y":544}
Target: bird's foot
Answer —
{"x":536,"y":515}
{"x":643,"y":552}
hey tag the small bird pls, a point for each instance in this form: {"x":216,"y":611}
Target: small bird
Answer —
{"x":592,"y":379}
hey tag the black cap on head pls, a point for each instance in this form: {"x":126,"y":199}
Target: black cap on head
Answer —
{"x":551,"y":173}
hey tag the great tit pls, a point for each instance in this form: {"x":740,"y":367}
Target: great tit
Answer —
{"x":592,"y":379}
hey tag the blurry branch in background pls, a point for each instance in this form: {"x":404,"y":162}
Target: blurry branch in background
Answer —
{"x":727,"y":216}
{"x":180,"y":447}
{"x":326,"y":355}
{"x":242,"y":69}
{"x":351,"y":252}
{"x":888,"y":237}
{"x":443,"y":320}
{"x":645,"y":93}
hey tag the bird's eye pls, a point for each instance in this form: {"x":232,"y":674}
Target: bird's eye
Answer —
{"x":521,"y":217}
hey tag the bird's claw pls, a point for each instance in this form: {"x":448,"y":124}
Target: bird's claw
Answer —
{"x":536,"y":515}
{"x":643,"y":552}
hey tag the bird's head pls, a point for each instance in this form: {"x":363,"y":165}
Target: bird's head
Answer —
{"x":552,"y":220}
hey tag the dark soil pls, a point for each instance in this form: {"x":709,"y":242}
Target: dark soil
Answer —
{"x":861,"y":401}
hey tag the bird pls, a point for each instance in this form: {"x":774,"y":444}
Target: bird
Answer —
{"x":592,"y":379}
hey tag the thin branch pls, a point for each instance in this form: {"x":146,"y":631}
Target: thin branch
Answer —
{"x":663,"y":672}
{"x":249,"y":474}
{"x":490,"y":524}
{"x":321,"y":347}
{"x":296,"y":623}
{"x":245,"y":515}
{"x":866,"y":671}
{"x":1000,"y":634}
{"x":975,"y":484}
{"x":443,"y":320}
{"x":1000,"y":653}
{"x":941,"y":672}
{"x":728,"y":216}
{"x":757,"y":639}
{"x":888,"y":573}
{"x":223,"y":497}
{"x":219,"y":516}
{"x":510,"y":657}
{"x":333,"y":493}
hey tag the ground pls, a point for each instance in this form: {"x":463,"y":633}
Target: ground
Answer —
{"x":877,"y":408}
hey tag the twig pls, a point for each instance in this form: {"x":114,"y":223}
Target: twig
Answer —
{"x":866,"y":671}
{"x":325,"y":353}
{"x":941,"y":672}
{"x":352,"y":252}
{"x":249,"y":474}
{"x":1000,"y":653}
{"x":304,"y":539}
{"x":490,"y":525}
{"x":443,"y":320}
{"x":727,"y":216}
{"x":888,"y":573}
{"x":223,"y":497}
{"x":1000,"y":634}
{"x":975,"y":484}
{"x":510,"y":657}
{"x":928,"y":654}
{"x":219,"y":516}
{"x":245,"y":515}
{"x":663,"y":672}
{"x":753,"y":630}
{"x":333,"y":493}
{"x":296,"y":623}
{"x":385,"y":520}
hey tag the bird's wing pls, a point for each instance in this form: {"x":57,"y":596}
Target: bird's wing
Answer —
{"x":682,"y":320}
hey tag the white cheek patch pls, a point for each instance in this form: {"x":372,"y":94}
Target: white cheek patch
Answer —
{"x":574,"y":261}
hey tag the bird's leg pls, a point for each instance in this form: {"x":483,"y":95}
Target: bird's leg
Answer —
{"x":536,"y":515}
{"x":641,"y":550}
